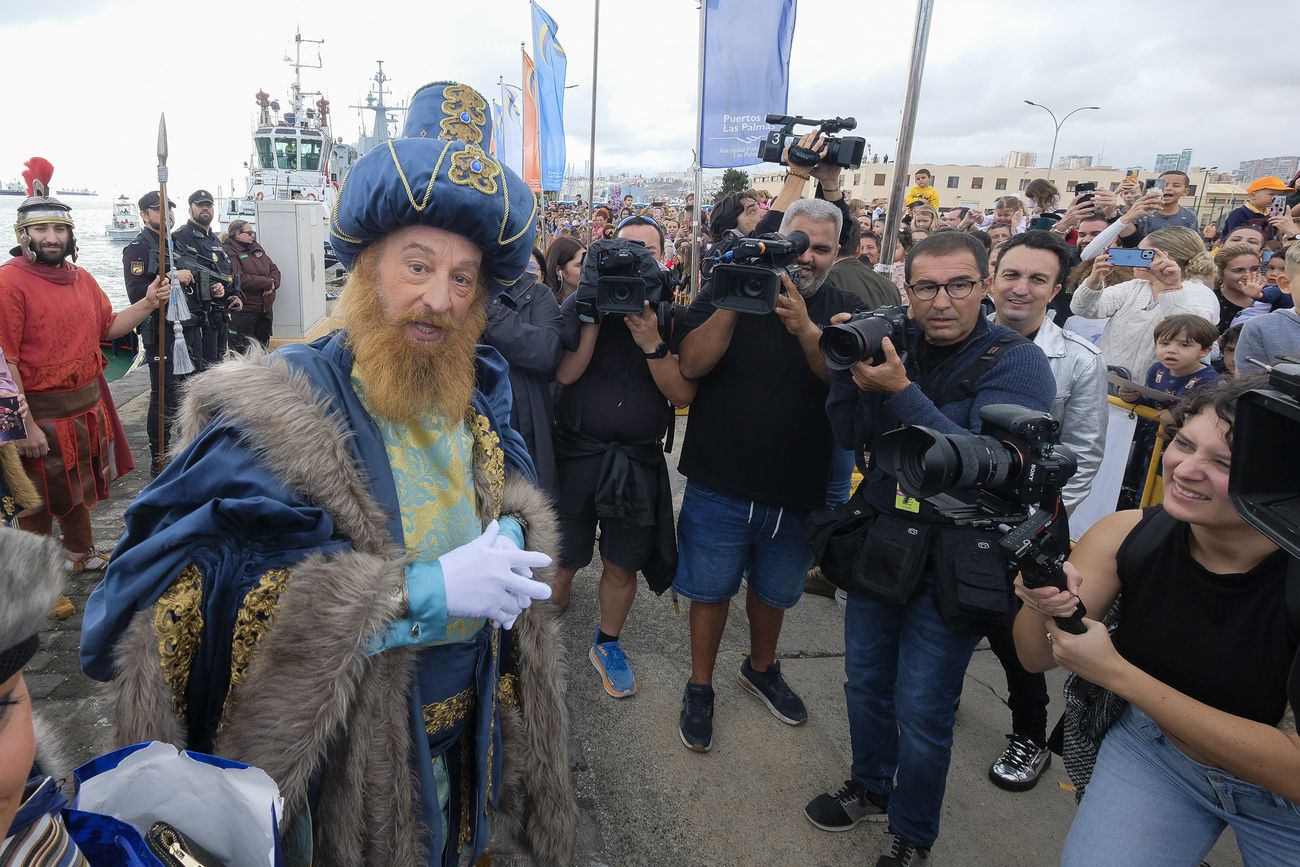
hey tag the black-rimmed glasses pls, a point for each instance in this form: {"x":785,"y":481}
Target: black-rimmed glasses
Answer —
{"x":956,"y":289}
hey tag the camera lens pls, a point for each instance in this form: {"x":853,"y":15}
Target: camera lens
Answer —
{"x":849,"y":342}
{"x":926,"y":462}
{"x":620,"y":294}
{"x":751,"y":288}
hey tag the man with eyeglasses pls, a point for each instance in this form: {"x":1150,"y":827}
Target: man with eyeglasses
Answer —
{"x":906,"y":645}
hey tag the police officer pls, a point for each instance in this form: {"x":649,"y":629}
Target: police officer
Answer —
{"x":199,"y":249}
{"x":139,"y":265}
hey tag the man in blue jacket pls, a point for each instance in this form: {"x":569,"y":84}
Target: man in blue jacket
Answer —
{"x":906,"y":650}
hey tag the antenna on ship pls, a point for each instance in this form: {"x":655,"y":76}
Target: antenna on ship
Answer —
{"x":375,"y":103}
{"x":295,"y":89}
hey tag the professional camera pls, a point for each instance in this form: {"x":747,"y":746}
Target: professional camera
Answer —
{"x":1014,"y":464}
{"x":1267,"y":492}
{"x":845,"y":152}
{"x":847,"y":343}
{"x":618,"y":276}
{"x":747,"y":275}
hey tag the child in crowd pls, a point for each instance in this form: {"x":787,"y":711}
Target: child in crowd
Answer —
{"x":1275,"y":334}
{"x":1182,"y":340}
{"x":1226,"y":363}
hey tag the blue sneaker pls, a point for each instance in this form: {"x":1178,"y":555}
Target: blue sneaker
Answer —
{"x":770,"y":688}
{"x":615,"y":674}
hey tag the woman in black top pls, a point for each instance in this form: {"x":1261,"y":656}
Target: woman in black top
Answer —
{"x":1202,"y":654}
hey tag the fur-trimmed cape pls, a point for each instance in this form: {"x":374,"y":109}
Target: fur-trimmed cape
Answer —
{"x":311,"y":702}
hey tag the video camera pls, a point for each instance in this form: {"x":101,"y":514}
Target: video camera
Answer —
{"x":620,"y":275}
{"x":845,"y":344}
{"x":1267,"y":492}
{"x":746,"y":272}
{"x":1014,"y":464}
{"x":845,"y":152}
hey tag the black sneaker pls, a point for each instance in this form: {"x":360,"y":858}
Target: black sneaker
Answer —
{"x":1020,"y":765}
{"x":771,"y":689}
{"x":842,"y":810}
{"x":696,"y":724}
{"x":903,"y":853}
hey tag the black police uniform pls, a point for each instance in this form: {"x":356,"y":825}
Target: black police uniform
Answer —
{"x":139,"y":267}
{"x":194,"y":244}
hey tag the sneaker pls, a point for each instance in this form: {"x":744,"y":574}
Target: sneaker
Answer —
{"x":615,"y":674}
{"x":842,"y":810}
{"x":771,"y":689}
{"x":1020,"y":765}
{"x":696,"y":724}
{"x":903,"y":853}
{"x":815,"y":583}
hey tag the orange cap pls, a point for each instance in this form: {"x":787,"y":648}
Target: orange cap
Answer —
{"x":1270,"y":183}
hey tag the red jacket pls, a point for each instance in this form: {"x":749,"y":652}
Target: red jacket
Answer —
{"x":259,"y":277}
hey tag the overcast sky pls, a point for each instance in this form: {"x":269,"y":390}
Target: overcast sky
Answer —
{"x":1169,"y":74}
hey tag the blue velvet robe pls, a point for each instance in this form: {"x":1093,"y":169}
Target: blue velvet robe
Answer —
{"x":217,"y":508}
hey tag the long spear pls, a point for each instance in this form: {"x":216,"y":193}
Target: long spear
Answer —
{"x":164,"y":241}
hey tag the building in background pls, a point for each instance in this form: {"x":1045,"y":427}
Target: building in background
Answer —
{"x":1179,"y":162}
{"x":1283,"y":167}
{"x":1074,"y":161}
{"x":1020,"y":159}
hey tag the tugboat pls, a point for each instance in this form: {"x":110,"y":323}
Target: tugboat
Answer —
{"x":125,"y":224}
{"x":294,"y":154}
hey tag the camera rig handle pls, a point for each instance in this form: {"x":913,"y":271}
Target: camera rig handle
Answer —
{"x":829,"y":125}
{"x":1035,"y":549}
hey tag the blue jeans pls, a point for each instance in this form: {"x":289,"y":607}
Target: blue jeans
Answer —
{"x":841,"y":483}
{"x":721,"y":538}
{"x":904,"y":670}
{"x":1149,"y":803}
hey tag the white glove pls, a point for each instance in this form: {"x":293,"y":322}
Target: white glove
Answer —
{"x":490,"y":577}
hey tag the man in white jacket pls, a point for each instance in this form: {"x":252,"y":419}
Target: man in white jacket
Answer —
{"x":1029,"y":273}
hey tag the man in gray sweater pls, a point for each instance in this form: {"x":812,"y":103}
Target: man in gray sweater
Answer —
{"x":1272,"y":335}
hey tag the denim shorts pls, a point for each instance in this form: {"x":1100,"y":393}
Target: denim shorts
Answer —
{"x":720,"y":539}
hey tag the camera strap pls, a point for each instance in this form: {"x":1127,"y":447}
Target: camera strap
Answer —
{"x":962,"y":385}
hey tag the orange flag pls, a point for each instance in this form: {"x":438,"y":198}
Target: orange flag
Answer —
{"x":532,"y":150}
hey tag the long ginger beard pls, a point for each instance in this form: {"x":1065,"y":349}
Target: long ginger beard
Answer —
{"x":404,"y":380}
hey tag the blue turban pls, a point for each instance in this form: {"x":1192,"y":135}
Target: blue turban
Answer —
{"x":440,"y":174}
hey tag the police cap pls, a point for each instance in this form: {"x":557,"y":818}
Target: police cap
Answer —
{"x":150,"y":200}
{"x":201,"y":196}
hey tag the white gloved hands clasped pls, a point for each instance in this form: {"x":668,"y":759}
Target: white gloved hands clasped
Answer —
{"x":491,"y":577}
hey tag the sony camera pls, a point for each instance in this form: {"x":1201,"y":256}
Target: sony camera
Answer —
{"x":845,"y":151}
{"x":619,"y":276}
{"x":1016,"y":463}
{"x":1267,"y":492}
{"x":845,"y":344}
{"x":746,"y":274}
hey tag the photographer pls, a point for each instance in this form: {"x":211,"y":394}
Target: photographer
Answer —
{"x":1200,"y":653}
{"x":611,"y":417}
{"x":904,"y":660}
{"x":757,"y":456}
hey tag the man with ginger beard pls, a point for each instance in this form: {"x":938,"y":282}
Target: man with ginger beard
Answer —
{"x":373,"y":545}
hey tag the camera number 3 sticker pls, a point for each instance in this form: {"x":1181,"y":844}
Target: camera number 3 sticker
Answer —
{"x":905,"y":503}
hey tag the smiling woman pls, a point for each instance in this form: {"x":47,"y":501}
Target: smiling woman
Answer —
{"x":1201,"y":654}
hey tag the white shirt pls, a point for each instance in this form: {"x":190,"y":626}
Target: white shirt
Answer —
{"x":1132,"y":313}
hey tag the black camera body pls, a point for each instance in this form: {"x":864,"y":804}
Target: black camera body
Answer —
{"x":845,"y":151}
{"x":845,"y":344}
{"x":746,"y":276}
{"x":618,"y":277}
{"x":1267,"y":492}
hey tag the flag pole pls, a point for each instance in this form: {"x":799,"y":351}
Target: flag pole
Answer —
{"x":902,"y":159}
{"x":591,"y":158}
{"x":699,"y":171}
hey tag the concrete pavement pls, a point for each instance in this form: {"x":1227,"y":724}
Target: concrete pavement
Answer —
{"x":645,"y":799}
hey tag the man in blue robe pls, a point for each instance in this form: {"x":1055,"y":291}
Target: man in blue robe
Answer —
{"x":333,"y":579}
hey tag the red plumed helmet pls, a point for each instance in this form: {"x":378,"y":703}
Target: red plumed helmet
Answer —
{"x":38,"y":174}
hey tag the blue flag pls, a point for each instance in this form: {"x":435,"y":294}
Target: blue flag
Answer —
{"x":551,"y":67}
{"x":510,"y":132}
{"x":746,"y":76}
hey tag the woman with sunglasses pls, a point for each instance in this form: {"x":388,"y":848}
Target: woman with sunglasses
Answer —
{"x":259,"y":277}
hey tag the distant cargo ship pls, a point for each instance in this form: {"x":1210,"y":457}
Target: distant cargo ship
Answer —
{"x":16,"y":188}
{"x":78,"y":191}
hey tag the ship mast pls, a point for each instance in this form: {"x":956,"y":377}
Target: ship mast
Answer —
{"x":295,"y":89}
{"x":375,"y":103}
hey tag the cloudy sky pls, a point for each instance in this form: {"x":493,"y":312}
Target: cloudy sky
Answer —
{"x":1164,"y":71}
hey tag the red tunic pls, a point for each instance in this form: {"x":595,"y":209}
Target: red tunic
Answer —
{"x":51,"y":321}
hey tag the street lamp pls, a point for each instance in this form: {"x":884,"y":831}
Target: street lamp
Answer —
{"x":1205,"y":182}
{"x":1051,"y":161}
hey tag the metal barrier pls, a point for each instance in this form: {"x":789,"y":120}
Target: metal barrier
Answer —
{"x":1152,"y":484}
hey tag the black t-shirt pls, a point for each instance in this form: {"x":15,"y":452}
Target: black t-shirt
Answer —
{"x":616,"y":399}
{"x":1222,"y":639}
{"x":758,"y":429}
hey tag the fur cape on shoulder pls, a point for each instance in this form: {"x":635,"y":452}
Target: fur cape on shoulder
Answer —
{"x":312,"y":704}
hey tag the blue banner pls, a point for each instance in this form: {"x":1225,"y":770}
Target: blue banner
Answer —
{"x":496,"y":128}
{"x":510,"y":132}
{"x":551,"y":67}
{"x":746,"y":76}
